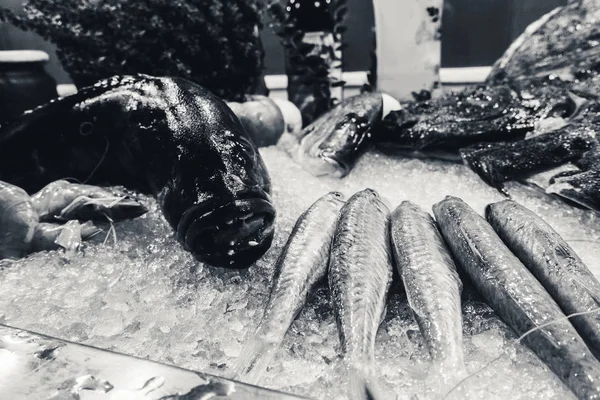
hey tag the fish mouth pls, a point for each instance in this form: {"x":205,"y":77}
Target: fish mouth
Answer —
{"x":231,"y":235}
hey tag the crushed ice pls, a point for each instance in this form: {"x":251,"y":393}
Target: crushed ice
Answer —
{"x":143,"y":295}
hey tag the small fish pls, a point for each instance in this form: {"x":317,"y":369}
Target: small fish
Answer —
{"x":63,"y":200}
{"x":360,"y":274}
{"x":517,"y":297}
{"x":332,"y":144}
{"x":302,"y":263}
{"x":582,"y":188}
{"x":501,"y":162}
{"x":553,"y":262}
{"x":432,"y":285}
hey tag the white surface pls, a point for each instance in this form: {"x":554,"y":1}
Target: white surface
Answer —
{"x":20,"y":56}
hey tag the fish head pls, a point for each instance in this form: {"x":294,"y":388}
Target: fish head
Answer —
{"x":218,"y":193}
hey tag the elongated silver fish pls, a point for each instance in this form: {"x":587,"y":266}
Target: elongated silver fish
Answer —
{"x":360,"y":274}
{"x":553,"y":262}
{"x":517,"y":297}
{"x":302,"y":263}
{"x":432,"y":285}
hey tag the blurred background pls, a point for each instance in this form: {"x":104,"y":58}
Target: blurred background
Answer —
{"x":475,"y":33}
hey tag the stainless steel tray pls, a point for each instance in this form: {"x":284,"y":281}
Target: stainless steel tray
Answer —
{"x":35,"y":366}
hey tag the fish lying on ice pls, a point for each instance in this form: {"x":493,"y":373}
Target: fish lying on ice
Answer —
{"x":332,"y":144}
{"x":432,"y":286}
{"x":582,"y":188}
{"x":553,"y":262}
{"x":360,"y":274}
{"x":302,"y":263}
{"x":63,"y":200}
{"x":501,"y":162}
{"x":164,"y":136}
{"x":21,"y":233}
{"x":517,"y":297}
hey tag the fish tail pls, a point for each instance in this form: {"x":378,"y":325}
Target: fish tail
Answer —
{"x":256,"y":356}
{"x":362,"y":385}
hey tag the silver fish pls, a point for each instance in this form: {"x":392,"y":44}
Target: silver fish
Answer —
{"x":517,"y":297}
{"x":360,"y":274}
{"x":302,"y":263}
{"x":553,"y":262}
{"x":432,"y":285}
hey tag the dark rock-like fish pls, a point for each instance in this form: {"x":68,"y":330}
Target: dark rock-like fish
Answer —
{"x":517,"y":297}
{"x":432,"y":286}
{"x":332,"y":144}
{"x":553,"y":262}
{"x":164,"y":136}
{"x":562,"y":39}
{"x":501,"y":162}
{"x":302,"y":263}
{"x":360,"y":274}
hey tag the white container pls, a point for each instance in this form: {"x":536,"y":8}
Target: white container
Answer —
{"x":408,"y":45}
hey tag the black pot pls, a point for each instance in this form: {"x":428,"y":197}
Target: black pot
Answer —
{"x":24,"y":83}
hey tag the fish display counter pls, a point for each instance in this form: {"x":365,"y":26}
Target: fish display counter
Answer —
{"x":441,"y":248}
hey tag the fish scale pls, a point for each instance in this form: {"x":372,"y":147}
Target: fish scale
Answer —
{"x":360,"y":275}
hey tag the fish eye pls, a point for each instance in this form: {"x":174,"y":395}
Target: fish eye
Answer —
{"x":86,"y":128}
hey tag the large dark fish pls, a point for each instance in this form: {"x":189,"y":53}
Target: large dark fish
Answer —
{"x":302,"y":263}
{"x":360,"y":274}
{"x":517,"y":297}
{"x":501,"y":162}
{"x":432,"y":285}
{"x":164,"y":136}
{"x":553,"y":262}
{"x":564,"y":38}
{"x":332,"y":144}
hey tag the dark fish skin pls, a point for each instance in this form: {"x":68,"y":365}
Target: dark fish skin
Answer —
{"x":164,"y":136}
{"x":332,"y":144}
{"x":501,"y":162}
{"x":582,"y":188}
{"x":553,"y":262}
{"x":360,"y":274}
{"x":432,"y":284}
{"x":483,"y":114}
{"x":517,"y":297}
{"x":303,"y":262}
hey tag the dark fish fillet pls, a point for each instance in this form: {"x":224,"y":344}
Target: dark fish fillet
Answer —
{"x":517,"y":297}
{"x":360,"y":274}
{"x":582,"y":189}
{"x":302,"y":263}
{"x":501,"y":162}
{"x":456,"y":120}
{"x":553,"y":262}
{"x":332,"y":144}
{"x":432,"y":285}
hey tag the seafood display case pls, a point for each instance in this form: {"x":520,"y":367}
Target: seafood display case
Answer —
{"x":163,"y":240}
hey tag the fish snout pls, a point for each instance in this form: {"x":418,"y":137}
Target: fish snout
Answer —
{"x":231,"y":235}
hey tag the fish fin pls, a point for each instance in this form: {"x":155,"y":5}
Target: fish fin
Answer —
{"x":256,"y":356}
{"x":362,"y":386}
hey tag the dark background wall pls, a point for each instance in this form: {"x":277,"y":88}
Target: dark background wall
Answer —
{"x":475,"y":33}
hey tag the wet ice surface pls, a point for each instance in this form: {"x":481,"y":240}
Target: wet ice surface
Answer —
{"x":147,"y":297}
